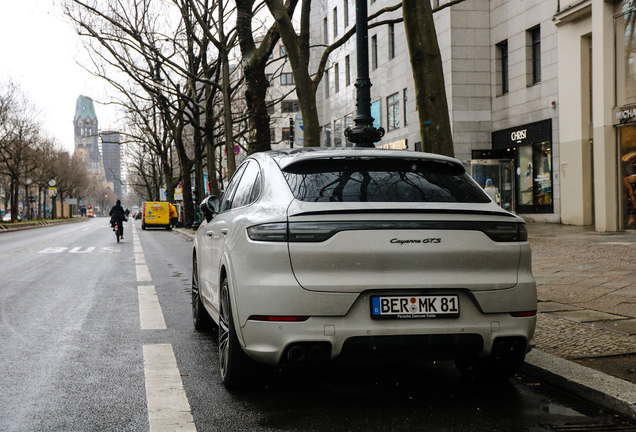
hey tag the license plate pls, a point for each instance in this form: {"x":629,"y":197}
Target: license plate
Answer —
{"x":410,"y":307}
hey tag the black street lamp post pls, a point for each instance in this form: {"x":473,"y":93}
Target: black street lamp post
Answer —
{"x":363,"y":134}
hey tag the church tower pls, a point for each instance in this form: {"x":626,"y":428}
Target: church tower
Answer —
{"x":87,"y":137}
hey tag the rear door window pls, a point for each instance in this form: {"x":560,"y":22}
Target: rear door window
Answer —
{"x":228,"y":196}
{"x":243,"y":195}
{"x":382,"y":180}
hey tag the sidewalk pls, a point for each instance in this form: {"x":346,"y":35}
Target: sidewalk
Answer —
{"x":586,"y":284}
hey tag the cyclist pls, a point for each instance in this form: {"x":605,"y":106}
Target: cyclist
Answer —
{"x":117,"y":214}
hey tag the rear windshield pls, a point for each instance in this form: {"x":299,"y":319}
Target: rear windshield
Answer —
{"x":382,"y":180}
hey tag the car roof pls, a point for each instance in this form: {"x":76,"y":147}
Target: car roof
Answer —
{"x":286,"y":157}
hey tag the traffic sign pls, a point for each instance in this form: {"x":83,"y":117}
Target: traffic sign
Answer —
{"x":237,"y":149}
{"x":298,"y":130}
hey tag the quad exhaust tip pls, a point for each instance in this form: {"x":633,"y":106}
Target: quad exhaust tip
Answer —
{"x":313,"y":352}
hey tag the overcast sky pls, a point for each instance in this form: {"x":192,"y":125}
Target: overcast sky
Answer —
{"x":39,"y":50}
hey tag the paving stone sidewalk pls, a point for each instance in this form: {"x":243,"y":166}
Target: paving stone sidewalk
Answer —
{"x":586,"y":282}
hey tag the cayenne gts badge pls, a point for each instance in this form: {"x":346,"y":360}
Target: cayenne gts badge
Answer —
{"x":416,"y":241}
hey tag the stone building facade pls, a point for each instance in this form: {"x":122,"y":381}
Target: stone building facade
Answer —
{"x":501,"y":79}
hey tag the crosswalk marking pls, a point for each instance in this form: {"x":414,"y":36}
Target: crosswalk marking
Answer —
{"x":150,"y":313}
{"x":168,"y":407}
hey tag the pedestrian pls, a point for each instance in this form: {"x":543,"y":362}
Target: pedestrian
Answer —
{"x":492,"y":191}
{"x":174,"y":216}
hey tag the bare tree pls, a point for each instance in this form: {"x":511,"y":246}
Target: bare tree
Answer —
{"x":19,"y":134}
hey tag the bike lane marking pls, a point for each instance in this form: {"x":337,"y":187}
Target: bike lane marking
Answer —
{"x":168,"y":406}
{"x":150,"y":313}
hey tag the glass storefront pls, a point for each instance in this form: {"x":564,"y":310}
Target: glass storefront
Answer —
{"x":627,"y":153}
{"x":625,"y":35}
{"x":625,"y":45}
{"x":530,"y":146}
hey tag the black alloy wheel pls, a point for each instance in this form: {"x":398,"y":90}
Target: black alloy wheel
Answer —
{"x":233,"y":361}
{"x":200,"y":317}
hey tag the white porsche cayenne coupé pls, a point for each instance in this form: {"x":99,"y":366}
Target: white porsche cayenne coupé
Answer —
{"x":316,"y":255}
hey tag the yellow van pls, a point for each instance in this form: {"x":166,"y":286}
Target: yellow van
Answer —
{"x":155,"y":214}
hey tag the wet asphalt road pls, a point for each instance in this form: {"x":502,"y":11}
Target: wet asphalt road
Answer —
{"x":71,"y":355}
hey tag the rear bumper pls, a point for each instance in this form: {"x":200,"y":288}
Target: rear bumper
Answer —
{"x":356,"y":335}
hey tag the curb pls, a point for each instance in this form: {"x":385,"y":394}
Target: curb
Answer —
{"x":611,"y":393}
{"x":184,"y":232}
{"x":5,"y":228}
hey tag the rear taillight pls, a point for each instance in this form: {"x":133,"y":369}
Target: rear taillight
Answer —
{"x":270,"y":318}
{"x":271,"y":232}
{"x":523,"y":314}
{"x":505,"y":232}
{"x":321,"y":231}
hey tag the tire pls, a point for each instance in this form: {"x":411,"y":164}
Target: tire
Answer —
{"x":143,"y":226}
{"x":117,"y":235}
{"x":200,"y":317}
{"x":233,"y":362}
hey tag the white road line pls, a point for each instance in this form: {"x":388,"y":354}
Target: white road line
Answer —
{"x":138,"y":249}
{"x":140,"y":258}
{"x":78,"y":250}
{"x":150,"y":310}
{"x":55,"y":249}
{"x":143,"y":274}
{"x":168,"y":407}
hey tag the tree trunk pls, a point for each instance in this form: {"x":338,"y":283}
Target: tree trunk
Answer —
{"x":430,"y":91}
{"x":15,"y":184}
{"x":311,"y":124}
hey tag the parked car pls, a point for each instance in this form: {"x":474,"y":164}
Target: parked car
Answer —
{"x":7,"y":217}
{"x":316,"y":255}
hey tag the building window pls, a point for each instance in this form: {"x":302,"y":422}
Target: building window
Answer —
{"x":285,"y":131}
{"x":337,"y":133}
{"x":336,"y":78}
{"x":502,"y":54}
{"x":335,"y":22}
{"x":625,"y":41}
{"x":535,"y":38}
{"x":374,"y":52}
{"x":271,"y":107}
{"x":287,"y":78}
{"x":346,"y":14}
{"x":391,"y":41}
{"x":347,"y":71}
{"x":272,"y":135}
{"x":326,"y":84}
{"x":325,"y":31}
{"x":269,"y":77}
{"x":327,"y":129}
{"x":393,"y":111}
{"x":406,"y":107}
{"x":289,"y":106}
{"x":282,"y":51}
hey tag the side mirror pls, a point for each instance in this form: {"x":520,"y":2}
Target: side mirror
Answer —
{"x":210,"y":207}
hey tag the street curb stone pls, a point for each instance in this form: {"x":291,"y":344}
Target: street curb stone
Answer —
{"x":607,"y":391}
{"x":6,"y":228}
